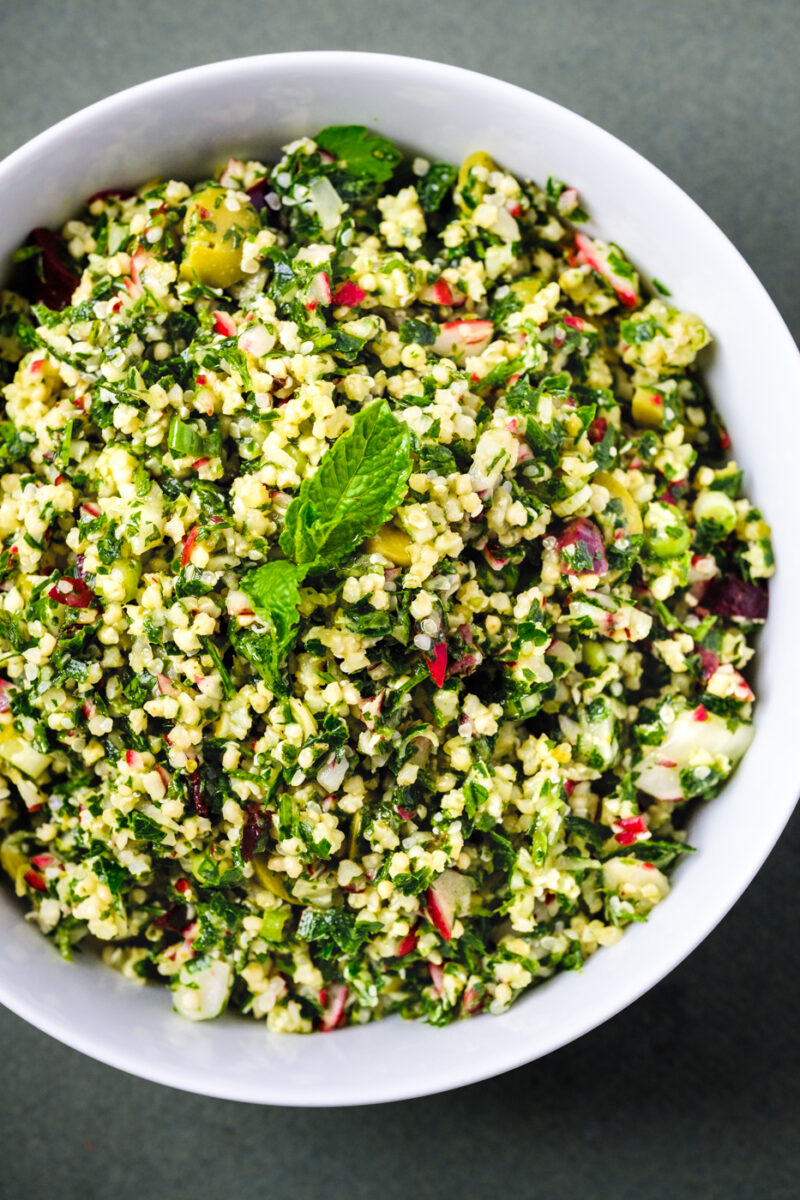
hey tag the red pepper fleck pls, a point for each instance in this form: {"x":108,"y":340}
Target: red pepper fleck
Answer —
{"x":438,"y":664}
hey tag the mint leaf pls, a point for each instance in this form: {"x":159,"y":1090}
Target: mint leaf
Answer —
{"x":274,"y":591}
{"x":357,"y":486}
{"x":359,"y":152}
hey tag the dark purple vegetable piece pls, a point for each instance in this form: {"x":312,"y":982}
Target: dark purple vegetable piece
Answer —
{"x":110,"y":194}
{"x":196,"y":794}
{"x":257,"y":194}
{"x":175,"y":918}
{"x":732,"y":596}
{"x":254,"y":828}
{"x":53,"y":281}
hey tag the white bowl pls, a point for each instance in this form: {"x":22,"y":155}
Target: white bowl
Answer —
{"x":180,"y":126}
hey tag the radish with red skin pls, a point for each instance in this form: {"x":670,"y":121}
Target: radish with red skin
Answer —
{"x":436,"y":971}
{"x":586,"y":534}
{"x":45,"y":861}
{"x":36,"y":881}
{"x":319,"y":291}
{"x":463,"y":338}
{"x":335,"y":1000}
{"x":349,"y":295}
{"x":134,"y":760}
{"x":440,"y":292}
{"x":408,"y":944}
{"x":629,"y":830}
{"x":75,"y":593}
{"x":224,"y":324}
{"x":596,"y":255}
{"x":188,"y":545}
{"x":447,"y":895}
{"x":495,"y":560}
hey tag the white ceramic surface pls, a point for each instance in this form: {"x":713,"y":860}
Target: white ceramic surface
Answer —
{"x":183,"y":124}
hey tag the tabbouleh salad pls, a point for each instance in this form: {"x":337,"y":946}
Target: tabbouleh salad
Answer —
{"x":375,"y":586}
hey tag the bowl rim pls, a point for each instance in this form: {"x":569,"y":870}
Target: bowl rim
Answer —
{"x":125,"y":1057}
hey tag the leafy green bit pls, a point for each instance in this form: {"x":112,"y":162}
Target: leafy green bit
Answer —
{"x":274,"y":591}
{"x":185,"y":441}
{"x":357,"y":486}
{"x":434,"y":185}
{"x":335,"y":931}
{"x":359,"y":152}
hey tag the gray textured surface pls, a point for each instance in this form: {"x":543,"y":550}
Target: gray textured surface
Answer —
{"x":693,"y":1091}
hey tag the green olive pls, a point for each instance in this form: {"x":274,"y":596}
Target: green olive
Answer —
{"x":214,"y":236}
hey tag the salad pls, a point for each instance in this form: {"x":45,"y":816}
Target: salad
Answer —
{"x":375,"y":586}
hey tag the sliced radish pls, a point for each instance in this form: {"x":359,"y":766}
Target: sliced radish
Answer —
{"x":441,"y":293}
{"x":567,"y":202}
{"x":586,"y":534}
{"x":408,"y":944}
{"x":335,"y":1000}
{"x":165,"y":685}
{"x":595,"y":254}
{"x":320,"y":289}
{"x":437,"y":977}
{"x":370,"y":709}
{"x":331,"y":775}
{"x":5,"y":699}
{"x":134,"y":760}
{"x":75,"y":593}
{"x":188,"y":545}
{"x":45,"y":861}
{"x":224,"y":324}
{"x":629,"y":829}
{"x":460,"y":339}
{"x":256,"y":340}
{"x":495,"y":561}
{"x":35,"y":880}
{"x":447,"y":896}
{"x":349,"y":295}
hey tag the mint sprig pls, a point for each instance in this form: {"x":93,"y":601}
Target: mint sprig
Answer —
{"x":355,"y":489}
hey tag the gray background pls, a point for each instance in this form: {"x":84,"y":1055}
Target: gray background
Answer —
{"x":694,"y":1090}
